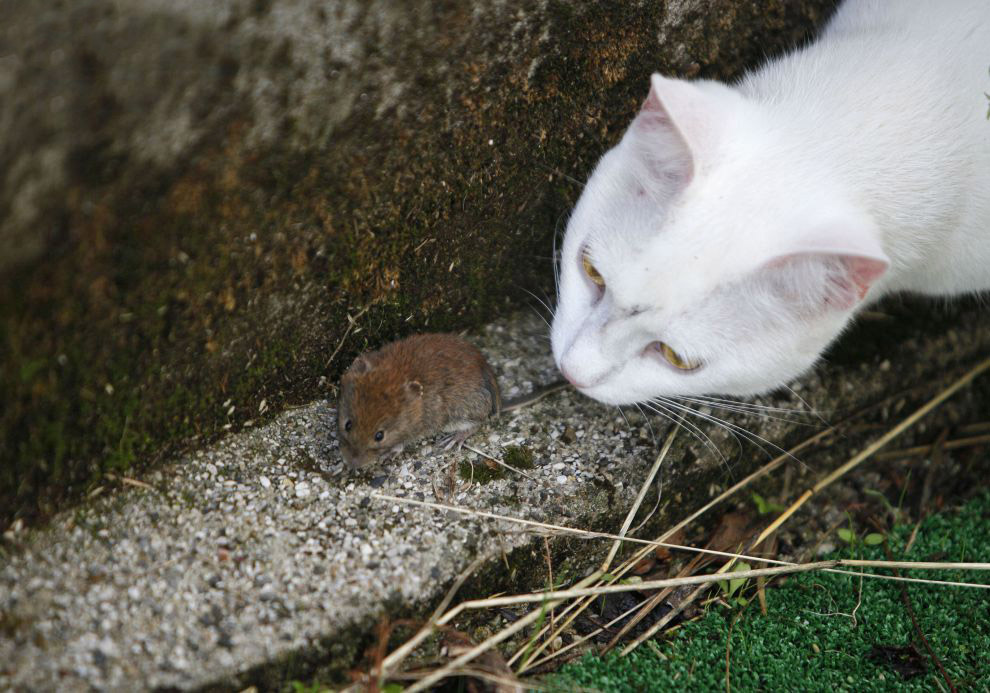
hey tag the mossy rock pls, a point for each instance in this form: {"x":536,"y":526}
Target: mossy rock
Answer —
{"x":199,"y":196}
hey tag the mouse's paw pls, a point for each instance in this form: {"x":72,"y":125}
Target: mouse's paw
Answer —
{"x":455,"y":441}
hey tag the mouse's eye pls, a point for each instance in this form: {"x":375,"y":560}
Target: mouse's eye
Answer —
{"x":673,"y":358}
{"x":589,"y":269}
{"x":379,"y":435}
{"x":347,"y":425}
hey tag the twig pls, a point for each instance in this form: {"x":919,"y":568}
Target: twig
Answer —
{"x":926,"y":488}
{"x":351,"y":322}
{"x":919,"y":450}
{"x":917,"y":628}
{"x":129,"y":481}
{"x":400,"y":653}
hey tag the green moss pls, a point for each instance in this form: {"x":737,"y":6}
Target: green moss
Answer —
{"x":480,"y":472}
{"x":519,"y":457}
{"x":809,"y":639}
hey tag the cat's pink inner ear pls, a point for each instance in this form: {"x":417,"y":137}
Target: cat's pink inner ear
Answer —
{"x":658,"y":141}
{"x":852,"y":280}
{"x":863,"y":272}
{"x":653,"y":116}
{"x":823,"y":280}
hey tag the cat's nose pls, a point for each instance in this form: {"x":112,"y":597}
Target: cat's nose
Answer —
{"x":570,"y":378}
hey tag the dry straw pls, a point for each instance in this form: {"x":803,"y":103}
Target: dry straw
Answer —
{"x":585,"y":590}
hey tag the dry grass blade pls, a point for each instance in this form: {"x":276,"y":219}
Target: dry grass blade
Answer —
{"x":545,"y":528}
{"x":943,"y":395}
{"x":575,"y":610}
{"x":875,"y":446}
{"x":129,"y":481}
{"x":642,"y":494}
{"x":761,"y":472}
{"x":557,"y":595}
{"x":351,"y":322}
{"x":919,"y":450}
{"x":398,"y":656}
{"x":458,"y":662}
{"x":651,"y":604}
{"x":585,"y":638}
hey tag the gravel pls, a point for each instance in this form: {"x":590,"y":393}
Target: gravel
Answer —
{"x":263,"y":546}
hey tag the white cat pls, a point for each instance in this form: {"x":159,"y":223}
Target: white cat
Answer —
{"x":734,"y":230}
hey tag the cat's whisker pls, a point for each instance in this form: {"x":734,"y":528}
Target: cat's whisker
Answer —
{"x":722,"y":423}
{"x":692,"y":428}
{"x":698,"y":433}
{"x":556,"y":252}
{"x":755,"y":405}
{"x":748,"y":412}
{"x":730,"y":427}
{"x":541,"y":301}
{"x":649,"y":425}
{"x":543,"y":304}
{"x":629,"y":425}
{"x":811,"y":409}
{"x":548,"y":301}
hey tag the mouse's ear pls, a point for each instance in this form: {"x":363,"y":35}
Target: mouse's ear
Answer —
{"x":414,"y":388}
{"x":362,"y":364}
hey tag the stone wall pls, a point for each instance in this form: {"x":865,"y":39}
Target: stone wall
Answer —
{"x":196,"y":198}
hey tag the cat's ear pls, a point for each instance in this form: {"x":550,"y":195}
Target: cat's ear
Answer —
{"x":671,"y":127}
{"x":830,"y":270}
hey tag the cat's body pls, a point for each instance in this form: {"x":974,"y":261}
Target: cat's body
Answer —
{"x":734,"y":231}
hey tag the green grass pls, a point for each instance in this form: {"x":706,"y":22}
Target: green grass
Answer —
{"x":808,"y":640}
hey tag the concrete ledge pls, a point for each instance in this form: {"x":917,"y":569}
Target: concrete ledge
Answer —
{"x":261,"y":548}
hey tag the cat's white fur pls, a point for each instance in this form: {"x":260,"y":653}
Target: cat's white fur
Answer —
{"x":745,"y":225}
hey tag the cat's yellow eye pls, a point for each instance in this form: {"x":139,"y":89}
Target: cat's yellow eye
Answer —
{"x":589,"y":269}
{"x":675,"y":359}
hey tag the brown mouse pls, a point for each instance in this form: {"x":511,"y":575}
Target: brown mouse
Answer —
{"x":416,"y":387}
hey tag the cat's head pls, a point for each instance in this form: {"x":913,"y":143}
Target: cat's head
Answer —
{"x":708,"y":254}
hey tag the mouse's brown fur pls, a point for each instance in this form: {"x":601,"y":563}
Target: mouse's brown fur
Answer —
{"x":413,"y":388}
